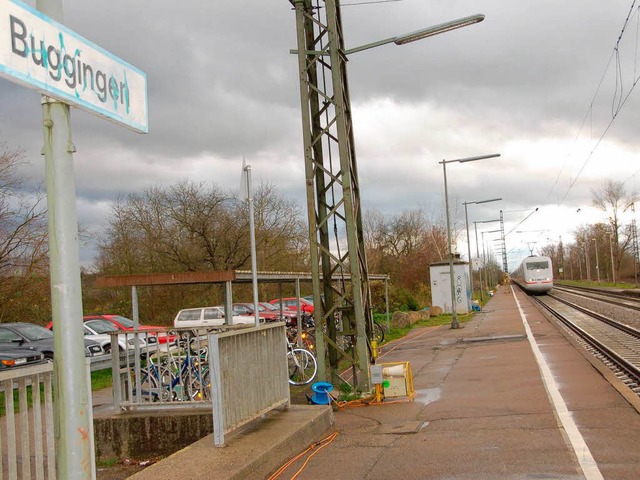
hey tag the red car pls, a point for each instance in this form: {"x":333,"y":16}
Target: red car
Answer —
{"x":124,"y":323}
{"x":269,"y":314}
{"x":292,"y":304}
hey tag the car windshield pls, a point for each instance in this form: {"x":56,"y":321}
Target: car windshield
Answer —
{"x":34,"y":332}
{"x":124,"y":321}
{"x":101,"y":326}
{"x":268,"y":306}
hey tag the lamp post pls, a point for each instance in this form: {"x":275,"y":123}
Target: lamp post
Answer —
{"x":595,"y":241}
{"x":466,"y":219}
{"x":613,"y":268}
{"x":475,"y":224}
{"x":333,"y":187}
{"x":454,"y":314}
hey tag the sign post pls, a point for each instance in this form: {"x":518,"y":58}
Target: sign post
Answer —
{"x":38,"y":52}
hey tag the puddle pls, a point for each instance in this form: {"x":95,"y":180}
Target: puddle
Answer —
{"x":427,"y":395}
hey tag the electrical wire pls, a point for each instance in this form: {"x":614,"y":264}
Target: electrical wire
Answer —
{"x":617,"y":104}
{"x":368,"y":3}
{"x":320,"y":445}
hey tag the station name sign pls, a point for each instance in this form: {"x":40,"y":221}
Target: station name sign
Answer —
{"x":40,"y":53}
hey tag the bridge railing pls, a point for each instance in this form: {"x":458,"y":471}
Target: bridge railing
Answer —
{"x":27,"y":447}
{"x":238,"y":372}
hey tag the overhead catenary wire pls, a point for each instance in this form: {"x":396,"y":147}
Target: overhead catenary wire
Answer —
{"x":617,"y":104}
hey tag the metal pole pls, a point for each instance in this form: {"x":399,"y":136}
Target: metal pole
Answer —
{"x":587,"y":260}
{"x":299,"y":313}
{"x":386,"y":301}
{"x":454,"y":313}
{"x":595,"y":240}
{"x":484,"y":263}
{"x":252,"y":237}
{"x":466,"y":219}
{"x":73,"y":397}
{"x":475,"y":226}
{"x":613,"y":268}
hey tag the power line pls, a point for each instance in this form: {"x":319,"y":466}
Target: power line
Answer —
{"x":615,"y":107}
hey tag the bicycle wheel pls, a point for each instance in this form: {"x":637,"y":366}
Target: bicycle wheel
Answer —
{"x":154,"y":384}
{"x":378,"y":333}
{"x":199,"y":387}
{"x":302,"y":366}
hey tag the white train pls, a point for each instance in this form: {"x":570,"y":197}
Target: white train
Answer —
{"x":535,"y":274}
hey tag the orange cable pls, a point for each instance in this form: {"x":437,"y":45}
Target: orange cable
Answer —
{"x":328,"y":439}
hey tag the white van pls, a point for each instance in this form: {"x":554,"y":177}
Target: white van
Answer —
{"x":207,"y":317}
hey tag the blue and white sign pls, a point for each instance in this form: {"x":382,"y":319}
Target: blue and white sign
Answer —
{"x":40,"y":53}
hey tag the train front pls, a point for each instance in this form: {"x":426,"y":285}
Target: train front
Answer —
{"x":537,"y":274}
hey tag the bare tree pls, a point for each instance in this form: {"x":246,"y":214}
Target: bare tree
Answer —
{"x":610,"y":197}
{"x":403,"y":245}
{"x":23,"y":245}
{"x":191,"y":226}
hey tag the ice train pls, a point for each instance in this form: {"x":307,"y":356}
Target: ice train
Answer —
{"x":535,"y":274}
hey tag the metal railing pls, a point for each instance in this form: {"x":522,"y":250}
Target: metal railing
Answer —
{"x":239,"y":372}
{"x":26,"y":429}
{"x":249,"y":375}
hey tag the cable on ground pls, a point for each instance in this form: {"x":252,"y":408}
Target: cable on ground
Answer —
{"x":319,"y":445}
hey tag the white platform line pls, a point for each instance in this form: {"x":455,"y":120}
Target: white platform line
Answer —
{"x":585,"y":459}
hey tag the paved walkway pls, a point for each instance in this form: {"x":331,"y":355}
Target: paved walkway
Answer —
{"x":506,"y":397}
{"x":483,"y":411}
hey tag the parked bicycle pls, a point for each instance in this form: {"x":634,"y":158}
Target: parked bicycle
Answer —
{"x":182,"y":375}
{"x":303,"y":366}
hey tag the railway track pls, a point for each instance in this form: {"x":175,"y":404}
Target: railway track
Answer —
{"x":616,"y":344}
{"x":612,"y":297}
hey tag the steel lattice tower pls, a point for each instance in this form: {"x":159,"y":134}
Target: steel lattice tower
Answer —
{"x":338,"y":262}
{"x":634,"y":240}
{"x":505,"y":266}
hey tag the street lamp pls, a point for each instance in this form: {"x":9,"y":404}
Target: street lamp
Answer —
{"x":333,"y":191}
{"x":420,"y":34}
{"x":595,"y":240}
{"x":613,"y":269}
{"x":475,"y":226}
{"x":466,"y":219}
{"x":454,"y":318}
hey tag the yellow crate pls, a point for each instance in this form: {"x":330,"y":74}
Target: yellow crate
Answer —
{"x":397,"y":380}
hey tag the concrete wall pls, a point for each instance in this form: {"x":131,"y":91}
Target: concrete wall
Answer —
{"x":142,"y":436}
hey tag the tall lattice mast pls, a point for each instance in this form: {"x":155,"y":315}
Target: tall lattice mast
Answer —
{"x":505,"y":266}
{"x":634,"y":240}
{"x":338,"y":262}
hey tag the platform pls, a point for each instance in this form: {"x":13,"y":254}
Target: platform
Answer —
{"x":506,"y":397}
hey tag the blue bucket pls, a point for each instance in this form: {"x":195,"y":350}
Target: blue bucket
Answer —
{"x":321,"y":395}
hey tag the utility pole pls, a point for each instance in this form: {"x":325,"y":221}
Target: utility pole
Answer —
{"x":333,"y":194}
{"x":636,"y":251}
{"x":505,"y":266}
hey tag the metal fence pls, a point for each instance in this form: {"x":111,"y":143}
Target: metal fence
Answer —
{"x":239,"y":372}
{"x":249,"y":374}
{"x":26,"y":429}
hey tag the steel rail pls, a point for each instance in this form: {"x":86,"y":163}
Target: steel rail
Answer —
{"x":631,"y":370}
{"x":615,"y":298}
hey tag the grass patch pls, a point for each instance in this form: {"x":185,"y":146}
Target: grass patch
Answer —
{"x":396,"y":333}
{"x":110,"y":462}
{"x":589,"y":283}
{"x":99,"y":380}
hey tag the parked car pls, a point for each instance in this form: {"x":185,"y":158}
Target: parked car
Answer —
{"x":21,"y":335}
{"x":124,"y":323}
{"x":268,"y":314}
{"x":207,"y":317}
{"x":99,"y":330}
{"x":19,"y":357}
{"x":292,"y":304}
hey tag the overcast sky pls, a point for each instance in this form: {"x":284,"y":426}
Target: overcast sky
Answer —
{"x":535,"y":82}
